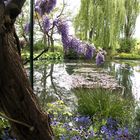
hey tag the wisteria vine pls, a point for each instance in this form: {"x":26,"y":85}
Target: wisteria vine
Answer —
{"x":43,"y":8}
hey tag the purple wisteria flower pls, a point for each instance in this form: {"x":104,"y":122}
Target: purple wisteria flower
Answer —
{"x":50,"y":6}
{"x":44,"y":6}
{"x":75,"y":44}
{"x":90,"y":50}
{"x":46,"y":24}
{"x":72,"y":43}
{"x":63,"y":28}
{"x":39,"y":11}
{"x":56,"y":22}
{"x":40,"y":7}
{"x":100,"y":58}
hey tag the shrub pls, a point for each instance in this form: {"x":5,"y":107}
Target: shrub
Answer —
{"x":126,"y":45}
{"x":39,"y":45}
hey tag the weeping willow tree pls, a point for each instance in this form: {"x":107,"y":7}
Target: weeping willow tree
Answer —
{"x":132,"y":9}
{"x":101,"y":21}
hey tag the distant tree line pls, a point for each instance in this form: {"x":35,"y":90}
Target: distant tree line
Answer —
{"x":110,"y":24}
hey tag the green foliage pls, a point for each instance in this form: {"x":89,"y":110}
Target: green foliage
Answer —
{"x":39,"y":45}
{"x":102,"y":22}
{"x":137,"y":118}
{"x":58,"y":48}
{"x":137,"y":47}
{"x":104,"y":104}
{"x":71,"y":54}
{"x":59,"y":111}
{"x":68,"y":125}
{"x":48,"y":55}
{"x":58,"y":107}
{"x":52,"y":55}
{"x":132,"y":9}
{"x":25,"y":54}
{"x":126,"y":45}
{"x":3,"y":124}
{"x":129,"y":56}
{"x":136,"y":124}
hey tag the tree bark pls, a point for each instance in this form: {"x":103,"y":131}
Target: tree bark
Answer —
{"x":17,"y":100}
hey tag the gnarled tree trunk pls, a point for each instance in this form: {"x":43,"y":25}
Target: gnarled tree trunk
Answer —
{"x":17,"y":100}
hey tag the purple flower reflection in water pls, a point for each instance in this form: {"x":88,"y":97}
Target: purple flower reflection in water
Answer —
{"x":100,"y":58}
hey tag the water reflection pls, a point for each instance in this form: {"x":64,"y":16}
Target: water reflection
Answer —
{"x":54,"y":81}
{"x":127,"y":74}
{"x":123,"y":73}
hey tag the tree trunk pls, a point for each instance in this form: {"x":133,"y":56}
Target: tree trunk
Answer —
{"x":17,"y":100}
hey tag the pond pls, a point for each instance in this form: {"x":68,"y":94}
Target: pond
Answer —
{"x":56,"y":79}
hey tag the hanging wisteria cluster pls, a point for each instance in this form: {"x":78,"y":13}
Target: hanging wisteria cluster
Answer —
{"x":46,"y":24}
{"x":43,"y":7}
{"x":72,"y":43}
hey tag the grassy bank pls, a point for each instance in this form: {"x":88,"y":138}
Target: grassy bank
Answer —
{"x":129,"y":56}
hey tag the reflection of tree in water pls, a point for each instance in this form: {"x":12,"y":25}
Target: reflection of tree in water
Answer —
{"x":47,"y":95}
{"x":70,"y":69}
{"x":47,"y":84}
{"x":43,"y":82}
{"x":72,"y":65}
{"x":123,"y":74}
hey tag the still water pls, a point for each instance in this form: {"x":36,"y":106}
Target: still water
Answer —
{"x":54,"y":81}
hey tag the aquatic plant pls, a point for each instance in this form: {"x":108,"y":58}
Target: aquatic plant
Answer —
{"x":104,"y":103}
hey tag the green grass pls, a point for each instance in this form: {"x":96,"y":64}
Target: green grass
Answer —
{"x":104,"y":104}
{"x":129,"y":56}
